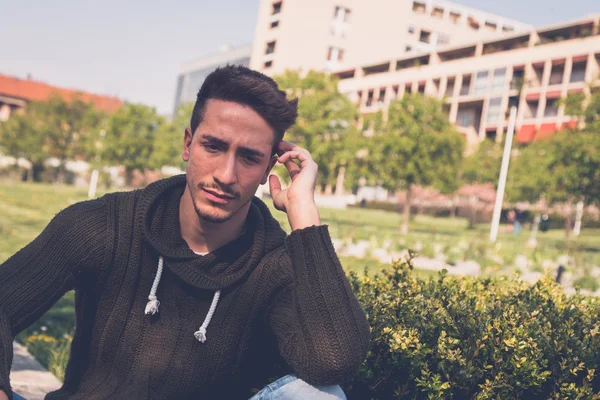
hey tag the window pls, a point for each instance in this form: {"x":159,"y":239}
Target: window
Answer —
{"x":556,"y":74}
{"x":578,"y":72}
{"x":493,"y":114}
{"x":506,"y":28}
{"x":551,"y":108}
{"x":492,"y":26}
{"x":381,"y":98}
{"x":341,"y":14}
{"x":531,"y":109}
{"x":443,"y":39}
{"x":518,"y":79}
{"x":335,"y":54}
{"x":465,"y":89}
{"x":450,"y":87}
{"x":455,"y":17}
{"x":274,"y":24}
{"x":425,"y":37}
{"x":437,"y":12}
{"x":270,"y":47}
{"x":408,"y":48}
{"x":268,"y":64}
{"x":369,"y":102}
{"x":465,"y":117}
{"x":498,"y":81}
{"x":418,"y":7}
{"x":473,"y":23}
{"x":481,"y":83}
{"x":411,"y":29}
{"x":276,"y":8}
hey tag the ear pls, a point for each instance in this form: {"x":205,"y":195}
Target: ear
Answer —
{"x":272,"y":163}
{"x":187,"y":143}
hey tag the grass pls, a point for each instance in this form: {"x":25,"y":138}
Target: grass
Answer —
{"x":26,"y":208}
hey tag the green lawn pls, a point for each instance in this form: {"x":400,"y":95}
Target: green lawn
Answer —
{"x":26,"y":208}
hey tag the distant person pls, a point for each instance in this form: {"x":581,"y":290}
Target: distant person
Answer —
{"x":517,"y":226}
{"x":189,"y":288}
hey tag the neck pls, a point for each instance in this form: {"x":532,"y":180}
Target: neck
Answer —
{"x":204,"y":236}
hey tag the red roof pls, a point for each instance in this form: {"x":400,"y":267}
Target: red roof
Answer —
{"x":30,"y":90}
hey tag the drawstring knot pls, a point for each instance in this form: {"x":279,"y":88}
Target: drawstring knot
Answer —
{"x":154,"y":303}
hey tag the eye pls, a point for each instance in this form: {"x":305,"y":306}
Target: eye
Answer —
{"x":211,"y":148}
{"x":251,"y":160}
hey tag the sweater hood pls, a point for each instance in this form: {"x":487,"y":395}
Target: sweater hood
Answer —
{"x":223,"y":267}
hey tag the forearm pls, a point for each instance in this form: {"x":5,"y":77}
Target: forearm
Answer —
{"x":331,"y":333}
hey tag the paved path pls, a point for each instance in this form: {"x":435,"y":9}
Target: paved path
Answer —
{"x":28,"y":378}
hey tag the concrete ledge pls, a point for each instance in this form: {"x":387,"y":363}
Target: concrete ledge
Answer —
{"x":28,"y":378}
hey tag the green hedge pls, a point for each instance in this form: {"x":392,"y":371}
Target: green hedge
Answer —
{"x":463,"y":338}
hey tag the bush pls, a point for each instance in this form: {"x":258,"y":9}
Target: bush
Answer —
{"x":460,"y":338}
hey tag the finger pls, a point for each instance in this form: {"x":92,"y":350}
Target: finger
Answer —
{"x":293,"y":168}
{"x":301,"y":155}
{"x":285,"y":146}
{"x":274,"y":185}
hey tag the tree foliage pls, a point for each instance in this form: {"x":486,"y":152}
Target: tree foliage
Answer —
{"x":416,"y":146}
{"x":131,"y":137}
{"x":54,"y":128}
{"x":325,"y":120}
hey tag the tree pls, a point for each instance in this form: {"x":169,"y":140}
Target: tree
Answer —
{"x":131,"y":138}
{"x":168,"y":142}
{"x":483,"y":166}
{"x":565,"y":168}
{"x":56,"y":128}
{"x":416,"y":146}
{"x":325,"y":119}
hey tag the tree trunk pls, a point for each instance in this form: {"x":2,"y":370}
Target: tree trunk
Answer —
{"x":454,"y":205}
{"x":473,"y":215}
{"x":407,"y":205}
{"x":328,"y":190}
{"x":568,"y":212}
{"x":578,"y":218}
{"x":128,"y":176}
{"x":339,"y":183}
{"x":36,"y":172}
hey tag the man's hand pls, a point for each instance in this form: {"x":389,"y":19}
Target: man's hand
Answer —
{"x":298,"y":200}
{"x":3,"y":396}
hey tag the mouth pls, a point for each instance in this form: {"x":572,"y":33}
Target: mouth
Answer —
{"x":217,"y":197}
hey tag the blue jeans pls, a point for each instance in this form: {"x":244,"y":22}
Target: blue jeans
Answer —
{"x":290,"y":387}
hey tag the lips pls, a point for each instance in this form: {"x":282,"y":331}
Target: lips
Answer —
{"x":216,"y":197}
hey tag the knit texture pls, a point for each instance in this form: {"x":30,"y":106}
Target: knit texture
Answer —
{"x":285,"y":305}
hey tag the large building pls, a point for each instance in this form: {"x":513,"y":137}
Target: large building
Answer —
{"x":192,"y":73}
{"x":481,"y":80}
{"x":330,"y":35}
{"x":15,"y":93}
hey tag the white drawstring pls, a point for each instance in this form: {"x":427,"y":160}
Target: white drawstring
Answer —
{"x":201,"y":333}
{"x":153,"y":304}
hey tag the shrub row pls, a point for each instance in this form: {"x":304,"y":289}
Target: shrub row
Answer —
{"x":462,"y":338}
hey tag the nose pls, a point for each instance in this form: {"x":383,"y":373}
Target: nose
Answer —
{"x":226,"y":173}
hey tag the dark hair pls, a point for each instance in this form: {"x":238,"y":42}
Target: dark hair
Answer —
{"x":244,"y":86}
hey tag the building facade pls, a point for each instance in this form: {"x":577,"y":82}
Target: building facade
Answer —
{"x":15,"y":93}
{"x":192,"y":73}
{"x":330,"y":35}
{"x":481,"y":80}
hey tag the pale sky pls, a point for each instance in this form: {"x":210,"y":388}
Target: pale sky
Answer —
{"x":133,"y":49}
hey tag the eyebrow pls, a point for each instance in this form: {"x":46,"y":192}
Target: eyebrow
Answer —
{"x":245,"y":150}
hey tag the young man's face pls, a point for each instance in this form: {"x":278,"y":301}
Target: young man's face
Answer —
{"x":228,"y":157}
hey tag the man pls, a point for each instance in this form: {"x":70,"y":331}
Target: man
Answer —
{"x":189,"y":288}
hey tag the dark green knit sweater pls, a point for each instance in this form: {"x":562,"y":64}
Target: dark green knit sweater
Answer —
{"x":285,"y":302}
